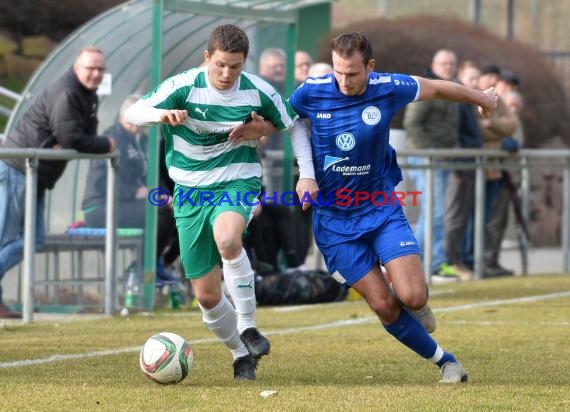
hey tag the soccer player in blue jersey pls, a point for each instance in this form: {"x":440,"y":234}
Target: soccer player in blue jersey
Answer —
{"x":357,"y":224}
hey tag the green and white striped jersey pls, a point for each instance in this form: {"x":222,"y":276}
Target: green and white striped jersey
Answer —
{"x":198,"y":153}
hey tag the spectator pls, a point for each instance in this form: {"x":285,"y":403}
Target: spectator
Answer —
{"x":460,"y":196}
{"x":508,"y":81}
{"x":433,"y":125}
{"x":303,"y":62}
{"x":501,"y":123}
{"x":273,"y":66}
{"x":63,"y":116}
{"x":515,"y":102}
{"x":131,"y":191}
{"x":320,"y":69}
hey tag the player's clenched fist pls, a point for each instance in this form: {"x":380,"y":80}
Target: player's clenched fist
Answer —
{"x":490,"y":103}
{"x":174,"y":117}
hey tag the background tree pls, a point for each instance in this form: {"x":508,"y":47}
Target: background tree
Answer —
{"x":55,"y":19}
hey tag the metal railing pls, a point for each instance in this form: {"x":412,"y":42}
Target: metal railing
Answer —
{"x":484,"y":159}
{"x":446,"y":158}
{"x":33,"y":156}
{"x":5,"y":111}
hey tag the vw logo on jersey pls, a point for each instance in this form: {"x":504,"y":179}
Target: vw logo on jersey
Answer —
{"x":371,"y":115}
{"x":345,"y":141}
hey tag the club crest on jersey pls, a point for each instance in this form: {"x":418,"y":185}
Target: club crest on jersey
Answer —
{"x":371,"y":115}
{"x":345,"y":141}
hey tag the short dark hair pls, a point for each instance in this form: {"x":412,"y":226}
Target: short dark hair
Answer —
{"x":347,"y":44}
{"x":491,"y":69}
{"x":228,"y":38}
{"x":510,"y":77}
{"x":468,"y":64}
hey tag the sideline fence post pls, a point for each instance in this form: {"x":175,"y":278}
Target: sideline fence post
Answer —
{"x":30,"y":240}
{"x":525,"y":202}
{"x":479,"y":225}
{"x":566,"y":216}
{"x":110,"y":240}
{"x":428,"y":234}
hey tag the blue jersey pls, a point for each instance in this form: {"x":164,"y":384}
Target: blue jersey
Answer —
{"x":349,"y":139}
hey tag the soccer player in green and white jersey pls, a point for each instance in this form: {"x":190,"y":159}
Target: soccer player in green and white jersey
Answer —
{"x":212,"y":117}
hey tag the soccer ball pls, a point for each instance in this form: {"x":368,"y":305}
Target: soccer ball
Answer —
{"x":166,"y":358}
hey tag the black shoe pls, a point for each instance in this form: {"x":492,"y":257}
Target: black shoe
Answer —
{"x":496,"y":271}
{"x":256,"y":344}
{"x":244,"y":368}
{"x":505,"y":271}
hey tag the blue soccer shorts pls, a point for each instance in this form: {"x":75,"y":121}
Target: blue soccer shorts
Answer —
{"x":351,"y":246}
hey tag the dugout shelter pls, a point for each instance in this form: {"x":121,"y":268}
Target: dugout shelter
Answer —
{"x":146,"y":41}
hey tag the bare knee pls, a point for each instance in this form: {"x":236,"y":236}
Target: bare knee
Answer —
{"x":208,"y":289}
{"x":208,"y":299}
{"x":413,"y":298}
{"x":229,"y":246}
{"x":386,"y":309}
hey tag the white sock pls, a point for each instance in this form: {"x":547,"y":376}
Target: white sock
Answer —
{"x":221,"y":320}
{"x":239,"y":279}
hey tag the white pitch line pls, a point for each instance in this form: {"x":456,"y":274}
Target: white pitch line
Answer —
{"x":296,"y":308}
{"x":57,"y":358}
{"x":500,"y":302}
{"x":499,"y":323}
{"x":336,"y":324}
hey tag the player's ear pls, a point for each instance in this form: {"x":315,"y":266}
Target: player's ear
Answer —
{"x":371,"y":64}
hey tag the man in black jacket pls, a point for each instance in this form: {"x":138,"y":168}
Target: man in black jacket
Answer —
{"x":63,"y":116}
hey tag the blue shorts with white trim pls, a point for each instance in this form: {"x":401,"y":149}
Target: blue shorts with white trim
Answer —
{"x":351,"y":246}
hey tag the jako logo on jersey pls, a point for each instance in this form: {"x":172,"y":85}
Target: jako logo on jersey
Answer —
{"x":331,"y":160}
{"x":324,"y":116}
{"x":345,"y":141}
{"x":371,"y":115}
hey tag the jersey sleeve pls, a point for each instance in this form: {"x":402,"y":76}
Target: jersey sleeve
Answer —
{"x":279,"y":111}
{"x":296,"y":100}
{"x":406,"y":89}
{"x":170,"y":94}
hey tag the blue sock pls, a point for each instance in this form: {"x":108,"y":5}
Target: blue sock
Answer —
{"x":412,"y":334}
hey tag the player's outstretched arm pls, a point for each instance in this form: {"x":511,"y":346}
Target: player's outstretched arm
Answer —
{"x":142,"y":114}
{"x":443,"y":89}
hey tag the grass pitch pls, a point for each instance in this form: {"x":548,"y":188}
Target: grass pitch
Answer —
{"x":512,"y":335}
